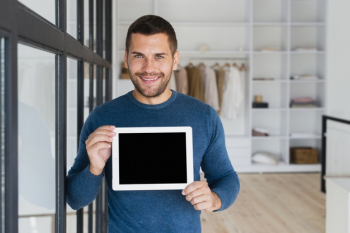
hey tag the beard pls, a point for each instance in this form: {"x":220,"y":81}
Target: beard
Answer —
{"x":147,"y":91}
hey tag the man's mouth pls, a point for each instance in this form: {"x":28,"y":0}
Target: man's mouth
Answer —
{"x":149,"y":79}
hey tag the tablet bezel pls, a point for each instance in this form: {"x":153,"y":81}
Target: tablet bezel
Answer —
{"x":115,"y":158}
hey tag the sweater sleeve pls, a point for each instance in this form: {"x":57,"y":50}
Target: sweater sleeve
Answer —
{"x":216,"y":165}
{"x":82,"y":185}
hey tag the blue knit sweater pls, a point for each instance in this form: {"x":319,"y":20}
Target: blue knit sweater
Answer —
{"x":156,"y":210}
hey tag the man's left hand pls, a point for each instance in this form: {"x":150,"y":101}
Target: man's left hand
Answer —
{"x":201,"y":197}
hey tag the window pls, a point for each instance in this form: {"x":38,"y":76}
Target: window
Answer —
{"x":2,"y":132}
{"x":49,"y":82}
{"x":44,"y":8}
{"x":36,"y":139}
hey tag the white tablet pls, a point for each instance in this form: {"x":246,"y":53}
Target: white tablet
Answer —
{"x":152,"y":158}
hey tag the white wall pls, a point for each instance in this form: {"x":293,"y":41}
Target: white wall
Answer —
{"x":338,"y":64}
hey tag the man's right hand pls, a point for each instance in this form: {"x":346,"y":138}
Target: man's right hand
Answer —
{"x":98,"y":146}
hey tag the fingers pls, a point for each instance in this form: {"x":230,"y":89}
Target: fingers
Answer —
{"x":103,"y":133}
{"x":96,"y":139}
{"x":199,"y":195}
{"x":107,"y":127}
{"x":94,"y":149}
{"x":206,"y":206}
{"x":195,"y":193}
{"x":193,"y":186}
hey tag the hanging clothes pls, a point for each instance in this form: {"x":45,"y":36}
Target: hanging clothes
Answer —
{"x":181,"y":80}
{"x":195,"y":84}
{"x":233,"y":95}
{"x":210,"y":87}
{"x":243,"y":73}
{"x":220,"y":82}
{"x":172,"y":83}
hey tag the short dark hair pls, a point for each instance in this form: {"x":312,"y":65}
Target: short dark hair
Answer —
{"x":150,"y":25}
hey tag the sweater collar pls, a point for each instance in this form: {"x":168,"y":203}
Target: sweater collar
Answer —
{"x":150,"y":106}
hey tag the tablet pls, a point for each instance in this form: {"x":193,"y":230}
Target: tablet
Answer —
{"x":152,"y":158}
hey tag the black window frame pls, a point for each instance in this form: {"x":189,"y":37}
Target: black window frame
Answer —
{"x":16,"y":24}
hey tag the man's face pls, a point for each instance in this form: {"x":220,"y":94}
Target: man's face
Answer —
{"x":150,"y":63}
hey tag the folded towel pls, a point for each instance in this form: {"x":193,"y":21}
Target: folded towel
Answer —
{"x":266,"y":158}
{"x":304,"y":77}
{"x":304,"y":106}
{"x":303,"y":100}
{"x":305,"y":48}
{"x":260,"y":132}
{"x":304,"y":135}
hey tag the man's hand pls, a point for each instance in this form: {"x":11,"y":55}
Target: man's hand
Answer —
{"x":201,"y":197}
{"x":98,"y":146}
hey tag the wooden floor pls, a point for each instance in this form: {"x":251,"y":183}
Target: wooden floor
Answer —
{"x":269,"y":203}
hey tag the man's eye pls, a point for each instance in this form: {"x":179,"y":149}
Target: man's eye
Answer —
{"x":159,"y":57}
{"x":138,"y":56}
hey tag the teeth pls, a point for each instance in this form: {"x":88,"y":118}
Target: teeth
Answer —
{"x":150,"y":79}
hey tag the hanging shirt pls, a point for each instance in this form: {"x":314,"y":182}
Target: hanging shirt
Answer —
{"x":243,"y":74}
{"x":220,"y":82}
{"x":233,"y":95}
{"x":195,"y":84}
{"x":172,"y":83}
{"x":210,"y":87}
{"x":181,"y":81}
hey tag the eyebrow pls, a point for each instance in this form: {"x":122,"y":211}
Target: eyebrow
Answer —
{"x":157,"y":54}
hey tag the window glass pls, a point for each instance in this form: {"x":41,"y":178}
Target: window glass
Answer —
{"x":72,"y":23}
{"x":86,"y":23}
{"x":86,"y":89}
{"x":86,"y":114}
{"x":2,"y":137}
{"x":103,"y":85}
{"x":36,"y":140}
{"x":95,"y":20}
{"x":95,"y":86}
{"x":104,"y":28}
{"x":45,"y":8}
{"x":72,"y":133}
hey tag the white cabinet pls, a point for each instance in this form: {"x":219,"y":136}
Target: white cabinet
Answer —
{"x":338,"y":205}
{"x":242,"y":31}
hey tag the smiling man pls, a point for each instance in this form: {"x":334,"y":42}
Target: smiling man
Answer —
{"x":151,"y":55}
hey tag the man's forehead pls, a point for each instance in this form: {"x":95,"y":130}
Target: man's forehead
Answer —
{"x":156,"y":41}
{"x":142,"y":38}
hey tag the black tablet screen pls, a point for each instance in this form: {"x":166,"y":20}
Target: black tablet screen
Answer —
{"x":152,"y":158}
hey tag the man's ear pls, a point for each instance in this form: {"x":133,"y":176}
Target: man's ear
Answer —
{"x":126,"y":59}
{"x":176,"y":60}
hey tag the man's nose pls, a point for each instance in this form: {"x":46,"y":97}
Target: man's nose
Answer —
{"x":149,"y":66}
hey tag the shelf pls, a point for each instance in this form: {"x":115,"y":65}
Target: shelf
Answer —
{"x":306,"y":109}
{"x":269,"y":138}
{"x":315,"y":137}
{"x":268,"y":109}
{"x":270,"y":81}
{"x":269,"y":52}
{"x":278,"y":168}
{"x":307,"y":81}
{"x":285,"y":25}
{"x":270,"y":24}
{"x":307,"y":52}
{"x":316,"y":24}
{"x":213,"y":53}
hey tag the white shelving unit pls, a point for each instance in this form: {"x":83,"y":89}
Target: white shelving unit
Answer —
{"x":235,"y":31}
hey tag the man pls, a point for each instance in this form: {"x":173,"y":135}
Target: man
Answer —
{"x":151,"y":56}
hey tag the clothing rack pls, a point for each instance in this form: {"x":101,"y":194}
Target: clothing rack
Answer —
{"x":218,"y":58}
